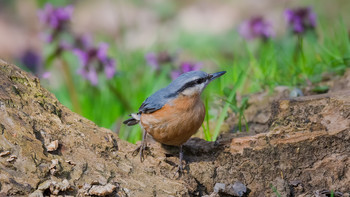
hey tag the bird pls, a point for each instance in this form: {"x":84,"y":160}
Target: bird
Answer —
{"x":173,"y":114}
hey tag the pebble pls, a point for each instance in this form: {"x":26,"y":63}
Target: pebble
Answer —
{"x":12,"y":158}
{"x":219,"y":187}
{"x":296,"y":92}
{"x":99,"y":190}
{"x":52,"y":146}
{"x":5,"y":153}
{"x":53,"y":166}
{"x":237,"y":189}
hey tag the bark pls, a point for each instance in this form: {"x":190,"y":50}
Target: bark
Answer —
{"x":53,"y":151}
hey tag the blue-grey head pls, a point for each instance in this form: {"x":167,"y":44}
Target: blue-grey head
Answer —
{"x":188,"y":84}
{"x":192,"y":83}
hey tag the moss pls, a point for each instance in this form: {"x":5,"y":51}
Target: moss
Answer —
{"x":20,"y":80}
{"x":39,"y":95}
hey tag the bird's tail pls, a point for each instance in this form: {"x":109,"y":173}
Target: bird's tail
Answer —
{"x":135,"y":119}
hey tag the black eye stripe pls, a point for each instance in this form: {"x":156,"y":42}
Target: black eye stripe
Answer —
{"x":193,"y":83}
{"x":201,"y":80}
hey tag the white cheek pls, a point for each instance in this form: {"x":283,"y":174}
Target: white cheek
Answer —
{"x":189,"y":91}
{"x":202,"y":86}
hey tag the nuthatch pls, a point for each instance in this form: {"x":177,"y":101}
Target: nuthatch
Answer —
{"x":173,"y":114}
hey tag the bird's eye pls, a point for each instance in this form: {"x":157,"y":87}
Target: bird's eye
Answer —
{"x":199,"y":81}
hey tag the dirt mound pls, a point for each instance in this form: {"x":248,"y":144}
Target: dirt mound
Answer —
{"x":45,"y":149}
{"x":59,"y":152}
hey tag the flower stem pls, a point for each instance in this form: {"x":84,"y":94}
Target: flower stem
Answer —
{"x":120,"y":97}
{"x":70,"y":85}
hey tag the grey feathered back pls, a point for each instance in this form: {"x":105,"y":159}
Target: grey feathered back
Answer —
{"x":163,"y":96}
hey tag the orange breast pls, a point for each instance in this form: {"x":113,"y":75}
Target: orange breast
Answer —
{"x":175,"y":122}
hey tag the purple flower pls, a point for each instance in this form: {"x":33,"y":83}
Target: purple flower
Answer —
{"x":94,"y":60}
{"x":190,"y":66}
{"x":101,"y":52}
{"x":152,"y":60}
{"x":300,"y":19}
{"x":109,"y":68}
{"x":156,"y":59}
{"x":56,"y":18}
{"x":256,"y":27}
{"x":175,"y":74}
{"x":46,"y":75}
{"x":83,"y":41}
{"x":185,"y":67}
{"x":33,"y":62}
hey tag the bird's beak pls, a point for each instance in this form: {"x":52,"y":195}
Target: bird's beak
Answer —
{"x":216,"y":75}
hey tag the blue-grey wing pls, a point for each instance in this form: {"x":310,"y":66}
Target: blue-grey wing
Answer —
{"x":155,"y":102}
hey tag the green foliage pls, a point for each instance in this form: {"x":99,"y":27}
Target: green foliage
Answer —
{"x":205,"y":125}
{"x":230,"y":101}
{"x":251,"y":67}
{"x":239,"y":111}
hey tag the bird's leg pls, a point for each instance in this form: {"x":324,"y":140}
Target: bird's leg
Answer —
{"x":142,"y":147}
{"x":180,"y":167}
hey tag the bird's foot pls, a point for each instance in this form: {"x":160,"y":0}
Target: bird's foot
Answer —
{"x":179,"y":171}
{"x":180,"y":167}
{"x":140,"y":150}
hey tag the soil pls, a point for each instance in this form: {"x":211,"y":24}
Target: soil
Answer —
{"x":300,"y":149}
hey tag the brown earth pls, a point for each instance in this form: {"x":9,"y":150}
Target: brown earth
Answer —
{"x":259,"y":111}
{"x":53,"y":151}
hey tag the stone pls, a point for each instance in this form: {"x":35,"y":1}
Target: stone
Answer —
{"x":4,"y":153}
{"x":12,"y":158}
{"x":36,"y":193}
{"x":100,"y":190}
{"x":52,"y":146}
{"x":219,"y":187}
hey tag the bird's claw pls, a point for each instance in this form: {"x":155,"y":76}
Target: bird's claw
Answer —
{"x":179,"y":171}
{"x":140,"y":150}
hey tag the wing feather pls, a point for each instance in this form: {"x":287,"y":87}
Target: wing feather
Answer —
{"x":155,"y":102}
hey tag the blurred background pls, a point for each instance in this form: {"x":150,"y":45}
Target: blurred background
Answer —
{"x":103,"y":58}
